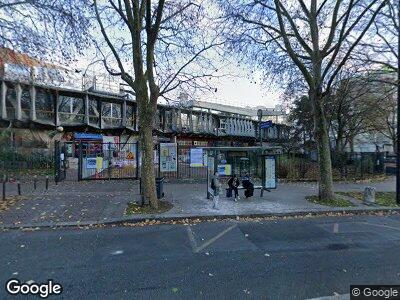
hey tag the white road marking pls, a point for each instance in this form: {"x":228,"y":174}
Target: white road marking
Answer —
{"x":335,"y":297}
{"x":191,"y":238}
{"x":381,"y":225}
{"x":336,"y":228}
{"x":117,"y":252}
{"x":197,"y":249}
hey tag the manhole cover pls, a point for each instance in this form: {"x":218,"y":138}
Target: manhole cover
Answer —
{"x":338,"y":246}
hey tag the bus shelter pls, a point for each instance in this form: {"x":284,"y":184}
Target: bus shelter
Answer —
{"x":259,"y":163}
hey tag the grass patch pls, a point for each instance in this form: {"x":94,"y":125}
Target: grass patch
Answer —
{"x":134,"y":208}
{"x":337,"y":202}
{"x":381,"y":198}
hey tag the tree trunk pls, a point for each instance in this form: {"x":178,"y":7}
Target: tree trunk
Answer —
{"x":323,"y":149}
{"x":146,"y":117}
{"x":147,"y":170}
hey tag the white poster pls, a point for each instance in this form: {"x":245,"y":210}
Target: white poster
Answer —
{"x":91,"y":163}
{"x":196,"y":157}
{"x":113,"y":141}
{"x":168,"y":157}
{"x":270,"y":174}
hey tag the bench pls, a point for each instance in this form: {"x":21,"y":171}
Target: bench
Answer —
{"x":256,"y":187}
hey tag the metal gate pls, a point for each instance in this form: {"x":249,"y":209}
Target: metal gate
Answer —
{"x":99,"y":161}
{"x":60,"y":162}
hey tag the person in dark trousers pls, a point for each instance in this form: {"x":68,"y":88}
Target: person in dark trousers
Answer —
{"x":248,"y":186}
{"x":233,"y":184}
{"x":216,"y":187}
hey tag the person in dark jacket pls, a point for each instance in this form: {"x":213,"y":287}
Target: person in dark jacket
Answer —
{"x":248,"y":186}
{"x":233,"y":184}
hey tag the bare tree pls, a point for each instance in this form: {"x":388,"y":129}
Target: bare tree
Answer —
{"x":45,"y":28}
{"x":380,"y":45}
{"x":348,"y":107}
{"x":317,"y":37}
{"x":383,"y":120}
{"x":157,"y":48}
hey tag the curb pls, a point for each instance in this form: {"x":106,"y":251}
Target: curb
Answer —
{"x":166,"y":219}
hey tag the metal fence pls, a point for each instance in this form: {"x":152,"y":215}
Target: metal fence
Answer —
{"x":122,"y":161}
{"x":26,"y":164}
{"x":360,"y":165}
{"x":98,"y":161}
{"x":183,"y":168}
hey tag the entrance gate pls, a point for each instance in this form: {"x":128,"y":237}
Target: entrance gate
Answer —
{"x":60,"y":161}
{"x":99,"y":161}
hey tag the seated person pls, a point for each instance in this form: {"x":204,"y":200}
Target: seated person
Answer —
{"x":233,"y":184}
{"x":248,"y":186}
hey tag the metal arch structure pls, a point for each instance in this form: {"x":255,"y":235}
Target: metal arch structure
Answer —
{"x":30,"y":104}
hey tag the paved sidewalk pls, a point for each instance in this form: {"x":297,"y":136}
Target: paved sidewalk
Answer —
{"x":102,"y":201}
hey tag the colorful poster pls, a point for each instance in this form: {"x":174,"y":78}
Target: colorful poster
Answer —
{"x":196,"y":157}
{"x":91,"y":163}
{"x":99,"y":163}
{"x":224,"y":170}
{"x":168,"y":157}
{"x":126,"y":156}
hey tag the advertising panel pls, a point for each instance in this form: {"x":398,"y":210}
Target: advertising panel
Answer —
{"x":270,"y":172}
{"x":168,"y":157}
{"x":196,"y":157}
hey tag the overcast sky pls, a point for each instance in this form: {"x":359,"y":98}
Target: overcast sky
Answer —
{"x":242,"y":91}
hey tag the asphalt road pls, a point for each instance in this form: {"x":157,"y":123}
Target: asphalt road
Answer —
{"x":286,"y":259}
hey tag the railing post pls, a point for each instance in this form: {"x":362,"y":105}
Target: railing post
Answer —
{"x":109,"y":160}
{"x":80,"y":161}
{"x":56,"y":161}
{"x":177,"y":160}
{"x":33,"y":103}
{"x":3,"y":100}
{"x":159,"y":159}
{"x":137,"y":159}
{"x":19,"y":187}
{"x":4,"y":187}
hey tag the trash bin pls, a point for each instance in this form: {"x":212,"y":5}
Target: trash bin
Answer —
{"x":160,"y":187}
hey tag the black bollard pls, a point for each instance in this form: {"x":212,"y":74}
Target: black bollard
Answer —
{"x":4,"y":189}
{"x":35,"y":182}
{"x":19,"y":187}
{"x":47,"y":182}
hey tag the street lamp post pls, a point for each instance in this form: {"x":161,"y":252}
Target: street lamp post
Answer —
{"x":398,"y":111}
{"x":260,"y":115}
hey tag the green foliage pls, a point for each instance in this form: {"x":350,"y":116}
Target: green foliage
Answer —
{"x":296,"y":168}
{"x":381,"y":198}
{"x":14,"y":162}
